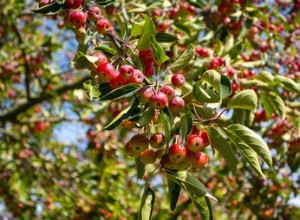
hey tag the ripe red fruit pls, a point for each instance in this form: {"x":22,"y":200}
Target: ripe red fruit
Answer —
{"x":158,"y":100}
{"x":148,"y":156}
{"x":146,"y":55}
{"x":106,"y":72}
{"x":190,"y":157}
{"x":73,"y":4}
{"x":138,"y":77}
{"x":102,"y":59}
{"x":177,"y":153}
{"x":205,"y":138}
{"x":103,"y":26}
{"x":178,"y":80}
{"x":139,"y":143}
{"x":117,"y":82}
{"x":202,"y":52}
{"x":201,"y":160}
{"x":169,"y":91}
{"x":195,"y":143}
{"x":149,"y":68}
{"x":157,"y":140}
{"x":126,"y":72}
{"x":94,"y":13}
{"x":145,"y":93}
{"x":44,"y":2}
{"x":130,"y":151}
{"x":77,"y":18}
{"x":176,"y":105}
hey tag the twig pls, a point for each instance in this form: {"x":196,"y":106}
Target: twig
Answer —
{"x":12,"y":113}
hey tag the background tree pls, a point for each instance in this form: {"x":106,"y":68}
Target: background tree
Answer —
{"x":192,"y":72}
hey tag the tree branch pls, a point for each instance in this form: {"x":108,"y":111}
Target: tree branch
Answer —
{"x":12,"y":113}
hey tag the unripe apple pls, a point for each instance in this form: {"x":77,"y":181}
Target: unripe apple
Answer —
{"x":106,"y":72}
{"x":148,"y":156}
{"x":104,"y":26}
{"x":73,"y":4}
{"x":177,"y":153}
{"x":157,"y":140}
{"x":201,"y":160}
{"x":176,"y":104}
{"x":94,"y":13}
{"x":169,"y":91}
{"x":126,"y":72}
{"x":145,"y":93}
{"x":77,"y":18}
{"x":139,"y":143}
{"x":195,"y":143}
{"x":158,"y":100}
{"x":138,"y":77}
{"x":130,"y":151}
{"x":178,"y":80}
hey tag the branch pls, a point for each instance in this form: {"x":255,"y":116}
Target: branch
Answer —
{"x":26,"y":64}
{"x":12,"y":113}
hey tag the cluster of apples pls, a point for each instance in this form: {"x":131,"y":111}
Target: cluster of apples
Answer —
{"x":176,"y":156}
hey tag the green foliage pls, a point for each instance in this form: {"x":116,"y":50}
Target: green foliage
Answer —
{"x":64,"y":127}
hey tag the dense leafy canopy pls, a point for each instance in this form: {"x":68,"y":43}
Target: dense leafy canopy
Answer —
{"x":83,"y":83}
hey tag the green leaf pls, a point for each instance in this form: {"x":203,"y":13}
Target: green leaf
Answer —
{"x":91,"y":89}
{"x":220,"y":143}
{"x":246,"y":99}
{"x":147,"y":203}
{"x":225,"y":87}
{"x":130,"y":112}
{"x":165,"y":38}
{"x":61,"y":2}
{"x":288,"y":84}
{"x":104,"y":3}
{"x":104,"y":88}
{"x":53,"y":7}
{"x":108,"y":51}
{"x":174,"y":191}
{"x":273,"y":103}
{"x":146,"y":117}
{"x":247,"y":25}
{"x":189,"y":182}
{"x":249,"y":154}
{"x":236,"y":50}
{"x":140,"y":168}
{"x":121,"y":92}
{"x":205,"y":112}
{"x":122,"y":24}
{"x":212,"y":87}
{"x":203,"y":205}
{"x":186,"y":123}
{"x":183,"y":27}
{"x":137,"y":29}
{"x":147,"y":33}
{"x":159,"y":53}
{"x":183,"y":59}
{"x":250,"y":144}
{"x":166,"y":123}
